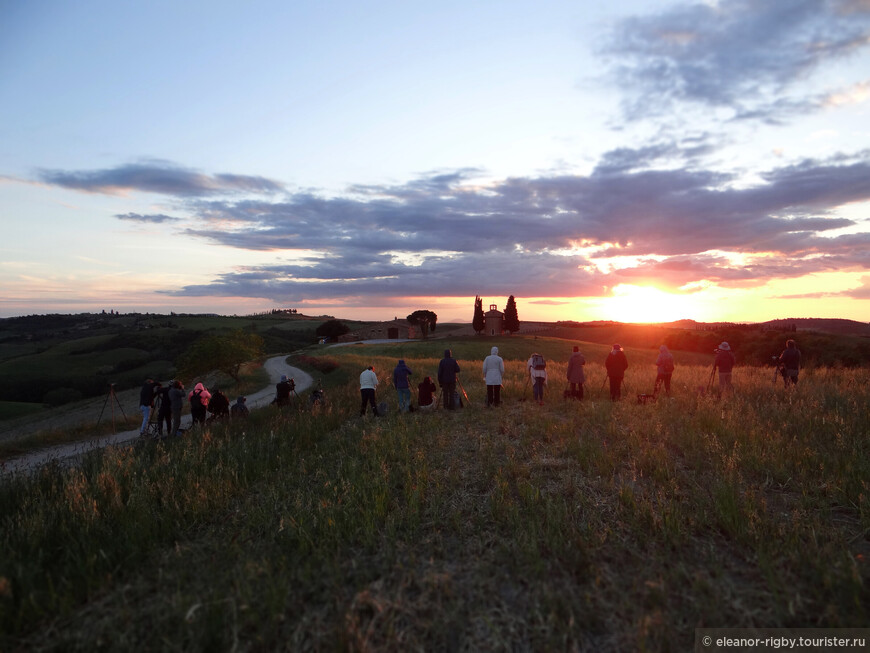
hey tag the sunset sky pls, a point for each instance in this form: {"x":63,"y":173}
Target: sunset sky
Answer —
{"x":628,"y":160}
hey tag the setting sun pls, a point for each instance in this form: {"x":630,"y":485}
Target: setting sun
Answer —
{"x":647,"y":304}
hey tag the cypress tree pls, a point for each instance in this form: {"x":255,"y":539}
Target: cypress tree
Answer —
{"x":479,"y":320}
{"x":511,"y":319}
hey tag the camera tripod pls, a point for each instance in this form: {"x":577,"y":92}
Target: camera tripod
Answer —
{"x":109,"y":396}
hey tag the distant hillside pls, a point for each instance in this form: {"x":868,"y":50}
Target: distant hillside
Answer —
{"x":824,"y":325}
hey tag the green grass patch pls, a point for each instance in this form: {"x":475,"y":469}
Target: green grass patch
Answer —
{"x":13,"y":409}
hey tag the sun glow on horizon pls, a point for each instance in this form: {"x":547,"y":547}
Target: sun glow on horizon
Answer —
{"x":630,"y":303}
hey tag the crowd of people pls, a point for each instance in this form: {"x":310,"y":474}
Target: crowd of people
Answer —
{"x":615,"y":364}
{"x":207,"y":406}
{"x":167,"y":403}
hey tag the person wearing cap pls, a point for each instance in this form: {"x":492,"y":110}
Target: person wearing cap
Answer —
{"x":402,"y":385}
{"x":576,"y":375}
{"x":616,"y":364}
{"x":368,"y":381}
{"x":240,"y":408}
{"x":724,"y":362}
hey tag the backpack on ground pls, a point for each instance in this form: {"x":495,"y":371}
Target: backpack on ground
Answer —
{"x":538,"y":362}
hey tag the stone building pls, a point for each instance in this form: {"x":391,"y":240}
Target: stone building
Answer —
{"x":393,"y":330}
{"x":494,"y":321}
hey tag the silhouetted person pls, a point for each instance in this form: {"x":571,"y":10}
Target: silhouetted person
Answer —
{"x":724,"y":362}
{"x":664,"y":370}
{"x":198,"y":398}
{"x":240,"y":408}
{"x":146,"y":402}
{"x":616,"y":364}
{"x":283,"y":390}
{"x":176,"y":401}
{"x":426,"y":393}
{"x":164,"y":411}
{"x":538,"y":374}
{"x":790,"y":363}
{"x":402,"y":385}
{"x":576,"y":374}
{"x":448,"y":368}
{"x":218,"y":406}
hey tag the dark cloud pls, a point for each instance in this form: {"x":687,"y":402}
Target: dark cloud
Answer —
{"x":153,"y":218}
{"x":523,"y":275}
{"x":745,"y":55}
{"x":510,"y":237}
{"x":158,"y":177}
{"x":651,"y":212}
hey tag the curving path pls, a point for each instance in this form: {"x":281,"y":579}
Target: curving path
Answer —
{"x":275,"y":366}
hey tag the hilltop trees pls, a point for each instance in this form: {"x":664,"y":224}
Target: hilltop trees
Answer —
{"x":511,"y":319}
{"x":226,"y":353}
{"x":479,"y":321}
{"x":424,"y":319}
{"x":332,"y":329}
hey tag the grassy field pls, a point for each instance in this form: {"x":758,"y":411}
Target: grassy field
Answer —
{"x":52,"y":360}
{"x":574,"y":525}
{"x":84,"y":420}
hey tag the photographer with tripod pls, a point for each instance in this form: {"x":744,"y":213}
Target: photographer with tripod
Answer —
{"x":146,"y":402}
{"x":724,"y":362}
{"x":790,"y":363}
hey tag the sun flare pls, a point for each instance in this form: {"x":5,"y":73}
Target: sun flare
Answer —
{"x":647,"y":304}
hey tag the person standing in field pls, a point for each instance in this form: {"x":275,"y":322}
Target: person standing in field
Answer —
{"x":218,"y":406}
{"x":402,"y":385}
{"x":198,"y":398}
{"x":282,"y":391}
{"x":616,"y":364}
{"x":724,"y":362}
{"x":368,"y":381}
{"x":176,"y":401}
{"x":164,"y":412}
{"x":146,"y":402}
{"x":664,"y":370}
{"x":537,"y":365}
{"x":576,"y":375}
{"x":448,"y":368}
{"x":240,"y":409}
{"x":790,"y":363}
{"x":493,"y":371}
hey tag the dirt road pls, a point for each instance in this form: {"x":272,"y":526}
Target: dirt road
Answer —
{"x":275,"y":366}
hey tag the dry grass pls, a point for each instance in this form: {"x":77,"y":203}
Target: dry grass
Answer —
{"x":572,"y":526}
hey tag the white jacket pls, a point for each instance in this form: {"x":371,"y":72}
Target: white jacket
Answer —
{"x":368,"y":380}
{"x":493,"y":368}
